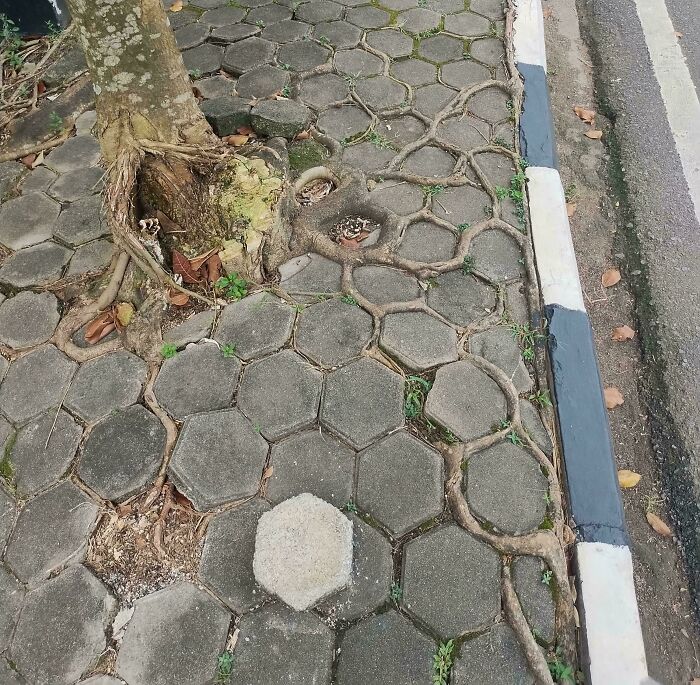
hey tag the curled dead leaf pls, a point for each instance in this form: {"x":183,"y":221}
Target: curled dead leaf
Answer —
{"x":622,"y":333}
{"x":237,"y":140}
{"x":628,"y":479}
{"x":610,"y":278}
{"x":100,"y":327}
{"x":304,"y":135}
{"x":178,"y":298}
{"x":593,"y":134}
{"x":28,"y":160}
{"x":587,"y":115}
{"x":124,"y":313}
{"x":182,"y":266}
{"x":613,"y":397}
{"x":659,"y":525}
{"x":213,"y":267}
{"x":197,"y":262}
{"x":570,"y":209}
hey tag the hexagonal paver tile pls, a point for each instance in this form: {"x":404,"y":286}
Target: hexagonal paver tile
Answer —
{"x":248,"y":54}
{"x":256,"y":325}
{"x":461,"y":205}
{"x":415,"y":72}
{"x":500,"y":347}
{"x":465,"y":400}
{"x":35,"y":382}
{"x":12,"y":594}
{"x":284,"y":118}
{"x":226,"y":114}
{"x":222,"y":16}
{"x":286,"y":31}
{"x":310,"y":274}
{"x":231,"y":33}
{"x":490,"y":51}
{"x":37,"y":464}
{"x":38,"y":265}
{"x":463,"y":132}
{"x":339,"y":34}
{"x":440,"y":49}
{"x":277,"y":644}
{"x":381,"y":92}
{"x":280,"y":394}
{"x":112,"y":381}
{"x":497,"y":256}
{"x":38,"y":180}
{"x":429,"y":100}
{"x":402,"y":199}
{"x":461,"y":298}
{"x":93,"y":257}
{"x":27,"y":220}
{"x":331,"y":333}
{"x":318,"y":11}
{"x":191,"y":330}
{"x":182,"y":18}
{"x":81,"y":222}
{"x":451,"y":581}
{"x":303,"y":551}
{"x":467,"y":24}
{"x":535,"y":595}
{"x":28,"y":319}
{"x":192,"y":35}
{"x":401,"y":130}
{"x":184,"y":385}
{"x":357,"y":62}
{"x":313,"y":462}
{"x":370,"y":582}
{"x":268,"y":15}
{"x":73,"y":185}
{"x":212,"y":444}
{"x":418,"y":19}
{"x":368,"y":17}
{"x":227,"y":557}
{"x":534,"y":426}
{"x":428,"y":243}
{"x":391,"y":42}
{"x":51,"y":532}
{"x":490,"y":104}
{"x":492,"y":658}
{"x":382,"y":284}
{"x":175,"y":636}
{"x":75,"y":153}
{"x":400,"y":482}
{"x":493,"y":9}
{"x":343,"y":122}
{"x":262,"y":82}
{"x":123,"y":453}
{"x":216,"y":86}
{"x":506,"y":487}
{"x":362,"y":402}
{"x":302,"y":55}
{"x":204,"y":59}
{"x":429,"y":161}
{"x":61,"y":631}
{"x":323,"y":90}
{"x":385,"y":648}
{"x":418,"y":340}
{"x":463,"y":73}
{"x":367,"y":156}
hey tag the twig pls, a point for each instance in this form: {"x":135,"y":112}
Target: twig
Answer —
{"x":58,"y":409}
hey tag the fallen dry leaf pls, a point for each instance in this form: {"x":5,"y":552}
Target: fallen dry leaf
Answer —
{"x":177,"y":298}
{"x":40,"y":88}
{"x":610,"y":278}
{"x":168,"y":225}
{"x":570,"y":209}
{"x":613,"y":397}
{"x":622,"y":333}
{"x":124,"y":313}
{"x":182,"y":266}
{"x":678,"y":34}
{"x":659,"y":525}
{"x":213,"y":266}
{"x":197,"y":262}
{"x":245,"y":131}
{"x":587,"y":115}
{"x":100,"y":327}
{"x":304,"y":135}
{"x":628,"y":479}
{"x":28,"y":160}
{"x":593,"y":135}
{"x":39,"y":160}
{"x":547,"y":12}
{"x":236,"y":140}
{"x":176,"y":6}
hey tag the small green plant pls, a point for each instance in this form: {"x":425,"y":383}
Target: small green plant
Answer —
{"x":351,"y":507}
{"x":415,"y":391}
{"x":541,"y":397}
{"x":351,"y":79}
{"x":560,"y":672}
{"x":463,"y":227}
{"x":260,"y":24}
{"x":286,"y":92}
{"x":228,"y":350}
{"x":570,"y":192}
{"x":527,"y":339}
{"x":396,"y":592}
{"x":10,"y":42}
{"x":348,"y":299}
{"x":422,"y":3}
{"x":285,"y":66}
{"x":514,"y":438}
{"x":195,"y":73}
{"x":324,"y":40}
{"x":53,"y":30}
{"x":442,"y":662}
{"x":493,"y":31}
{"x":257,"y":428}
{"x":224,"y":667}
{"x":232,"y":286}
{"x":233,"y":3}
{"x":432,"y":190}
{"x":501,"y":192}
{"x":379,"y":141}
{"x":546,"y":577}
{"x":488,"y":211}
{"x":502,"y":425}
{"x":168,"y":351}
{"x":429,"y":32}
{"x":468,"y":265}
{"x":502,"y":142}
{"x":55,"y":122}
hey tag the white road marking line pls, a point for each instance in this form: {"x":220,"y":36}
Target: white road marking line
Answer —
{"x":677,"y":89}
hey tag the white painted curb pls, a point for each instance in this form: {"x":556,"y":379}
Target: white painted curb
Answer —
{"x":528,"y":37}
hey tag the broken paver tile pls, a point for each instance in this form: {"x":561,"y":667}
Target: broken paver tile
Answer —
{"x":122,"y":453}
{"x":73,"y":185}
{"x":51,"y":532}
{"x":310,"y":274}
{"x":85,"y":123}
{"x":280,"y":394}
{"x":37,"y":464}
{"x":426,"y":242}
{"x":492,"y":658}
{"x":174,"y":636}
{"x":283,"y":118}
{"x":204,"y":59}
{"x":92,"y":257}
{"x":38,"y":265}
{"x":184,"y":385}
{"x":386,"y":648}
{"x":376,"y":396}
{"x":532,"y":585}
{"x":497,"y":256}
{"x":76,"y":153}
{"x":303,"y":551}
{"x":191,"y":330}
{"x":400,"y":198}
{"x":277,"y":644}
{"x":381,"y":284}
{"x":226,"y":114}
{"x":21,"y":396}
{"x":313,"y":462}
{"x":28,"y":319}
{"x":61,"y":631}
{"x":451,"y":581}
{"x":212,"y":444}
{"x":501,"y":348}
{"x":506,"y":487}
{"x":465,"y":400}
{"x":112,"y":381}
{"x":256,"y":325}
{"x":461,"y":298}
{"x":27,"y":220}
{"x":331,"y":333}
{"x":81,"y":221}
{"x":227,"y":557}
{"x":12,"y":594}
{"x":400,"y":482}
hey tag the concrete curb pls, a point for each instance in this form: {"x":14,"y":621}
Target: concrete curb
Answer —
{"x":612,"y":648}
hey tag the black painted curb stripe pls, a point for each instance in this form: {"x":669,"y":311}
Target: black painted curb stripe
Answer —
{"x":537,"y":140}
{"x":584,"y":432}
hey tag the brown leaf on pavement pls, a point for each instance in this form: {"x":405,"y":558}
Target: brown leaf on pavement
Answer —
{"x":587,"y":115}
{"x":100,"y":327}
{"x":622,"y":333}
{"x":28,"y":160}
{"x":570,"y":209}
{"x":176,"y":6}
{"x":197,"y":262}
{"x":304,"y":135}
{"x":593,"y":135}
{"x":547,"y":13}
{"x":659,"y":525}
{"x":213,"y":267}
{"x":610,"y":278}
{"x":628,"y":479}
{"x":177,"y":298}
{"x":237,"y":141}
{"x":182,"y":266}
{"x":613,"y":397}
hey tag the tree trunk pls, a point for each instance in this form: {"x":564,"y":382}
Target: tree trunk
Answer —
{"x":143,"y":90}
